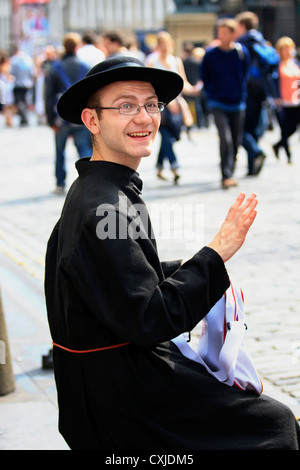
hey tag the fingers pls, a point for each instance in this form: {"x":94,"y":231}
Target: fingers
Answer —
{"x":249,"y":207}
{"x":241,"y":207}
{"x":244,"y":204}
{"x":236,"y":205}
{"x":233,"y":231}
{"x":245,"y":215}
{"x":241,"y":216}
{"x":250,"y":215}
{"x":250,"y":201}
{"x":248,"y":219}
{"x":244,"y":207}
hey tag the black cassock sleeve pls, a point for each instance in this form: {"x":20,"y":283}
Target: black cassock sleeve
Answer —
{"x":121,"y":284}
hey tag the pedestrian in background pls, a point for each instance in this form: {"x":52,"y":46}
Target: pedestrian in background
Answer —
{"x":43,"y":63}
{"x":22,"y":68}
{"x":177,"y":113}
{"x":88,"y":53}
{"x":133,"y":47}
{"x":199,"y":53}
{"x":6,"y":92}
{"x":62,"y":74}
{"x":191,"y":62}
{"x":113,"y":43}
{"x":261,"y":86}
{"x":224,"y":73}
{"x":289,"y":81}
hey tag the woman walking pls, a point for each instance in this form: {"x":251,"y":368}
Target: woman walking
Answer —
{"x":289,"y":80}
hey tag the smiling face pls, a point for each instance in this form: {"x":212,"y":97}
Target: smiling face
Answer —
{"x":119,"y":138}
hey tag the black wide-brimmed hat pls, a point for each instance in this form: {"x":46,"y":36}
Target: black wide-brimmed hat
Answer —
{"x":167,"y":84}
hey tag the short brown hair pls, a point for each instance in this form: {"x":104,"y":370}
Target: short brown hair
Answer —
{"x":114,"y":36}
{"x":227,"y":23}
{"x":248,"y":19}
{"x":71,"y":41}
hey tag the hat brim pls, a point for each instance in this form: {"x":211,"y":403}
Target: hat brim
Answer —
{"x":167,"y":86}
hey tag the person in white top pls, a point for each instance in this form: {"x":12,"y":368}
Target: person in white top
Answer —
{"x":88,"y":52}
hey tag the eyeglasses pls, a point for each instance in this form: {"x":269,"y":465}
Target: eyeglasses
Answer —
{"x":129,"y":109}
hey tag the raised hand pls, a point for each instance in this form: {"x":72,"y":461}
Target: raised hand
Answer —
{"x":235,"y":227}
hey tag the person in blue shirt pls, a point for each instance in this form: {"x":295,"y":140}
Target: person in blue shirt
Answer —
{"x":22,"y":69}
{"x":224,"y":72}
{"x":262,"y":86}
{"x":61,"y":75}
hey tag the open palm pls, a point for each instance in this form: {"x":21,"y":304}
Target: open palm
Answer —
{"x":235,"y":227}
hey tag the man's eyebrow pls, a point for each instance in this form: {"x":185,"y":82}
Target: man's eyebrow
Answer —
{"x":134,"y":98}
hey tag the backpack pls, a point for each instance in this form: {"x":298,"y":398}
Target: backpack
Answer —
{"x":173,"y":122}
{"x":66,"y":83}
{"x":265,"y":60}
{"x":64,"y":78}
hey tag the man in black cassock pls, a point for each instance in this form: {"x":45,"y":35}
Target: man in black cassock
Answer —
{"x":113,"y":306}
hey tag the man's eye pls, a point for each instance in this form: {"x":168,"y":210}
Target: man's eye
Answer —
{"x":127,"y":106}
{"x":152,"y":105}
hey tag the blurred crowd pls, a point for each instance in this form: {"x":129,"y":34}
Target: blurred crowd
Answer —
{"x":224,"y":84}
{"x":23,"y":77}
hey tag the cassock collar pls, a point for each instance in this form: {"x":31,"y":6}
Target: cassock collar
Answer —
{"x":136,"y":182}
{"x":122,"y":173}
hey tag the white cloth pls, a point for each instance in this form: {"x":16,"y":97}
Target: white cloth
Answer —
{"x":6,"y":90}
{"x":221,"y":349}
{"x":90,"y":55}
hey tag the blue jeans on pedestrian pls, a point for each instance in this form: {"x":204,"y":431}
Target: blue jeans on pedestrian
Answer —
{"x":83,"y":144}
{"x":166,"y":149}
{"x":252,"y":148}
{"x":253,"y":128}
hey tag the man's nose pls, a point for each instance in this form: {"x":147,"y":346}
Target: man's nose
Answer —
{"x":143,"y":115}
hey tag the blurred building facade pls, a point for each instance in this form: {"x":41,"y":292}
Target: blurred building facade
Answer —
{"x":35,"y":23}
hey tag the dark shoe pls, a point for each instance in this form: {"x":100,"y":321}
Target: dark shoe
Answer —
{"x":47,"y":360}
{"x":258,"y":163}
{"x":176,"y":179}
{"x":276,"y":150}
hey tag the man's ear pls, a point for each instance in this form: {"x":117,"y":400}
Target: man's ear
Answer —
{"x":90,"y":120}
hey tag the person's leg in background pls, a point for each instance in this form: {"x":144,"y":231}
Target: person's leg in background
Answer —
{"x":166,"y":151}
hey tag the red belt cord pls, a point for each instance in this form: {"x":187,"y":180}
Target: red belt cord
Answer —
{"x":88,"y":350}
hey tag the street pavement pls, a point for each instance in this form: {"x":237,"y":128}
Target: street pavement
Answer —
{"x":185,"y":217}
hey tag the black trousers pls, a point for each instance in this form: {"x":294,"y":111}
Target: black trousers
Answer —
{"x":20,"y":96}
{"x":289,"y":119}
{"x":230,"y":129}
